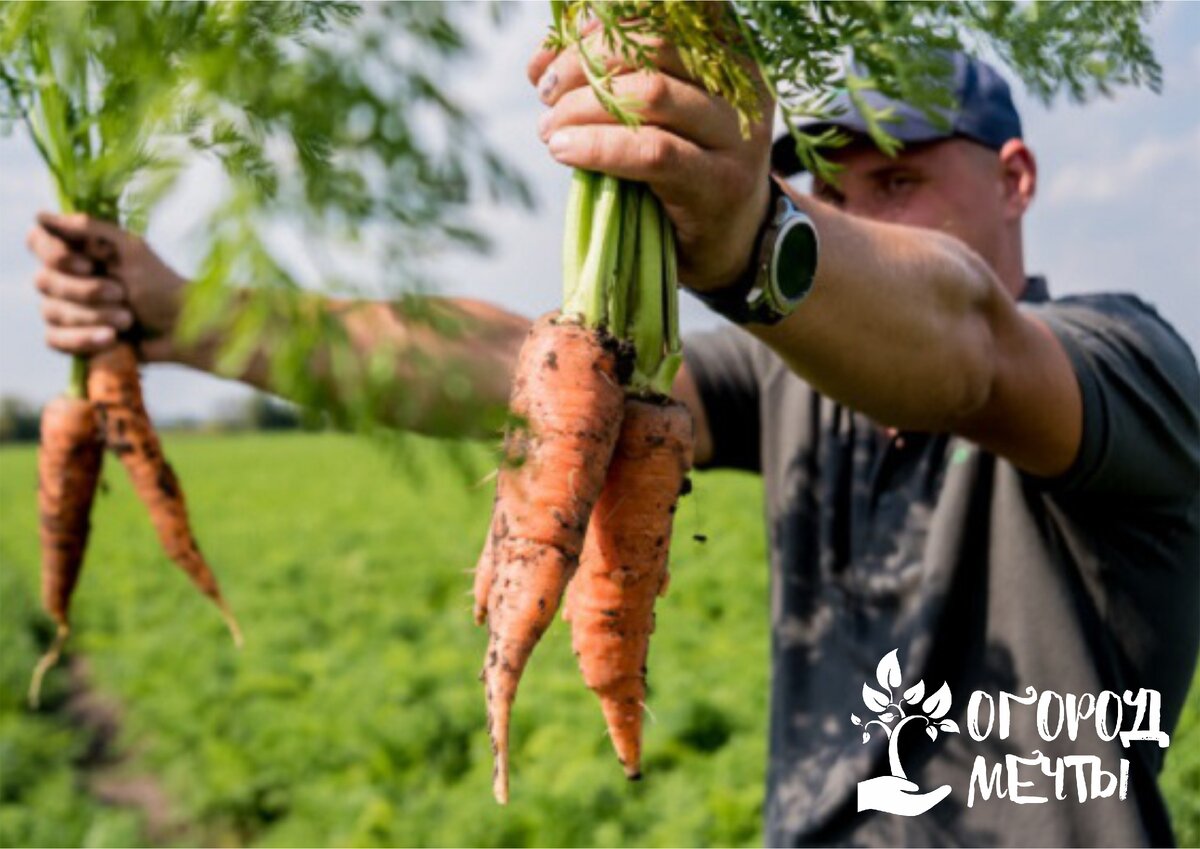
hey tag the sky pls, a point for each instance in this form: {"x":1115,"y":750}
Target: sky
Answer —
{"x":1118,"y":207}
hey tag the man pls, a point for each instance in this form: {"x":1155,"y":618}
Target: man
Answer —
{"x":1001,"y":487}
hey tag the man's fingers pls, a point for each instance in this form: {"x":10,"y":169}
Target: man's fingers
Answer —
{"x":541,"y":60}
{"x":538,"y":64}
{"x":565,"y":73}
{"x":647,"y":154}
{"x":55,"y":253}
{"x":82,"y":290}
{"x":80,"y":340}
{"x":67,"y":314}
{"x":93,"y":236}
{"x":664,"y":101}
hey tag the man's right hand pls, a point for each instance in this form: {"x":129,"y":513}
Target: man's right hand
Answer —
{"x":84,"y":310}
{"x":712,"y":182}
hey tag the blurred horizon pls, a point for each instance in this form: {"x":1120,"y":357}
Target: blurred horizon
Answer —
{"x":1116,"y":207}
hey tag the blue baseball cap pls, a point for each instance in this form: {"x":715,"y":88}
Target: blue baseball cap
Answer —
{"x":984,"y":113}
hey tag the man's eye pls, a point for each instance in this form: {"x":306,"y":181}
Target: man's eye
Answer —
{"x":896,"y":183}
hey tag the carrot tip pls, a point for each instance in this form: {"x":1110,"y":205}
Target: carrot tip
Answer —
{"x":500,"y":784}
{"x":486,"y":479}
{"x":231,"y":623}
{"x":48,"y":660}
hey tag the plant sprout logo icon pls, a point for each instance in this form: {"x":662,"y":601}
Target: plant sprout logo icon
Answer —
{"x":894,"y":793}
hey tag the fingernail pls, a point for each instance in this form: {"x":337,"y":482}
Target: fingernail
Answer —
{"x":559,"y":142}
{"x":546,"y":84}
{"x":543,"y":124}
{"x":124,"y":320}
{"x":102,"y":336}
{"x":79,"y":265}
{"x":114,"y":293}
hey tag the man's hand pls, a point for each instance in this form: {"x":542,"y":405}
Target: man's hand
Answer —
{"x":712,"y":182}
{"x":84,"y":311}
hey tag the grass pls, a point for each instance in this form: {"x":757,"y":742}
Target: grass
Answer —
{"x":353,"y":716}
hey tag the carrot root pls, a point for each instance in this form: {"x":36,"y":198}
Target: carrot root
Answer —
{"x":69,"y":460}
{"x":623,"y":568}
{"x":115,"y":388}
{"x":45,"y":664}
{"x":568,"y":392}
{"x":484,"y":571}
{"x":235,"y":630}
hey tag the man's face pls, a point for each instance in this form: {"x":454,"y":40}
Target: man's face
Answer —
{"x":955,"y":186}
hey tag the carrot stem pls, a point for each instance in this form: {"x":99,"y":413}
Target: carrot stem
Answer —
{"x":77,"y":388}
{"x":664,"y":375}
{"x":619,"y":273}
{"x":646,"y":315}
{"x":589,"y":300}
{"x":578,"y":233}
{"x":626,"y":271}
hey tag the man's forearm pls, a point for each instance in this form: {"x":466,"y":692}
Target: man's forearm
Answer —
{"x":440,"y":379}
{"x":898,"y":324}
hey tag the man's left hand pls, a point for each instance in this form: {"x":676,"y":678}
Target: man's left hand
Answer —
{"x":711,"y":181}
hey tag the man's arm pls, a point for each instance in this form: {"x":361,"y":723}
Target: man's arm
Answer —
{"x":84,"y":313}
{"x":479,"y":356}
{"x":913,"y":329}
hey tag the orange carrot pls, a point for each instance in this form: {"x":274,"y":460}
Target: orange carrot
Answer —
{"x":569,"y":396}
{"x":623,"y":569}
{"x":68,"y":470}
{"x":115,"y":388}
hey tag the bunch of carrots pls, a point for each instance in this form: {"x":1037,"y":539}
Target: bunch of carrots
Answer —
{"x":587,"y":490}
{"x":104,"y":410}
{"x":103,"y":406}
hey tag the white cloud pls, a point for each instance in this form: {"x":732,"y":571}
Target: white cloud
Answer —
{"x":1151,"y":158}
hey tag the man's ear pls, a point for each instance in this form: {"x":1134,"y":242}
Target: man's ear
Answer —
{"x":1019,"y":173}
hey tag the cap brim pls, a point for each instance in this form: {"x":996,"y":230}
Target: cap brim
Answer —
{"x":786,"y":161}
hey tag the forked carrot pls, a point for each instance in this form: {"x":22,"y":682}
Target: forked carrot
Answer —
{"x":568,"y":394}
{"x":69,"y":460}
{"x":114,"y":387}
{"x":623,"y":569}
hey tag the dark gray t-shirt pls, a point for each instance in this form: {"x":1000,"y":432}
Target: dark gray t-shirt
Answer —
{"x":978,"y":575}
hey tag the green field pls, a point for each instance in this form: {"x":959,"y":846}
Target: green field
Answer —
{"x":353,"y":716}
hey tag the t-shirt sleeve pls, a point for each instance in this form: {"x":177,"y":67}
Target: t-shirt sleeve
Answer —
{"x":722,"y":363}
{"x":1141,"y":399}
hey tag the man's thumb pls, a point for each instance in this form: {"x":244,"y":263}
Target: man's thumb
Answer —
{"x":96,"y":237}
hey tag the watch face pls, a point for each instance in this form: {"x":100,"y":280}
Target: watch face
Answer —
{"x":795,"y":260}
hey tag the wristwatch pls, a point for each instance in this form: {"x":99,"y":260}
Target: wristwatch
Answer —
{"x":780,"y":275}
